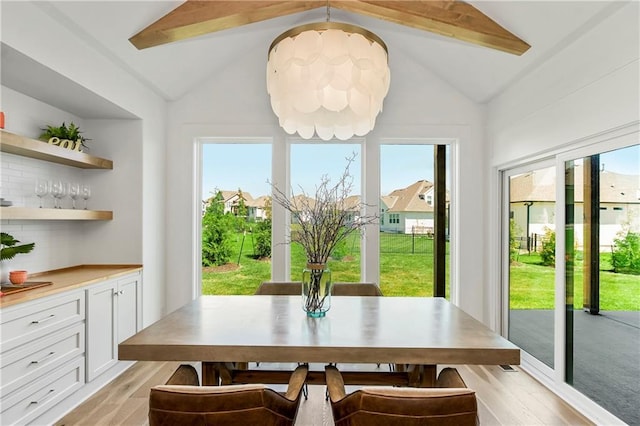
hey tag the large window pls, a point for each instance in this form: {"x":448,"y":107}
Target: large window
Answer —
{"x":408,"y":219}
{"x":309,"y":163}
{"x":246,"y":238}
{"x":236,"y":217}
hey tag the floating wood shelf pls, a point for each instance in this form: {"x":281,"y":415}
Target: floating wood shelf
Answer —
{"x":27,"y":147}
{"x":26,"y":213}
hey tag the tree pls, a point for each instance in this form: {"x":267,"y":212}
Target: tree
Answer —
{"x":216,"y":233}
{"x":625,"y":255}
{"x":514,"y":244}
{"x":262,"y":232}
{"x":548,"y":253}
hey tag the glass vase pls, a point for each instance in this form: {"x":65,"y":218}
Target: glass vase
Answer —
{"x":316,"y":290}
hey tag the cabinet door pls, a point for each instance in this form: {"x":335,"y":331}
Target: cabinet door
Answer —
{"x":128,"y":306}
{"x":101,"y":328}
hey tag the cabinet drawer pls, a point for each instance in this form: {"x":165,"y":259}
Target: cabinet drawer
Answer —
{"x":26,"y":363}
{"x":25,"y":323}
{"x":31,"y":401}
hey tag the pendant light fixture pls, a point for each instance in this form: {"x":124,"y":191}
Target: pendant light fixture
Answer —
{"x":327,"y":78}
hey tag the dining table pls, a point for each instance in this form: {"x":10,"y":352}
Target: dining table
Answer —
{"x":415,"y":334}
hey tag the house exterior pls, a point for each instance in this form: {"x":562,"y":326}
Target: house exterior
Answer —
{"x":533,"y":204}
{"x":409,"y":210}
{"x":259,"y":209}
{"x":255,"y":209}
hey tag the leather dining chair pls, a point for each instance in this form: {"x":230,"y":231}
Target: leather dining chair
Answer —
{"x":285,"y":288}
{"x":293,"y":288}
{"x":449,"y":403}
{"x":183,"y":402}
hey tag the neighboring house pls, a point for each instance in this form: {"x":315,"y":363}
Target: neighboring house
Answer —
{"x":301,"y":205}
{"x":231,"y":200}
{"x":258,"y":209}
{"x":533,"y":203}
{"x":409,"y":210}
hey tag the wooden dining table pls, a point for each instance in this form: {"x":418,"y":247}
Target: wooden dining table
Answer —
{"x":418,"y":333}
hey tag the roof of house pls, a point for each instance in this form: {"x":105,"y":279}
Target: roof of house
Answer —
{"x":540,"y":185}
{"x":260,"y":202}
{"x":408,"y":199}
{"x":228,"y":195}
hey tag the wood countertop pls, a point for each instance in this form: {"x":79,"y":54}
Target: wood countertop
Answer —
{"x":67,"y":279}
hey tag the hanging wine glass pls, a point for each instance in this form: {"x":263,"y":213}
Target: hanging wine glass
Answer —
{"x":42,"y":189}
{"x":74,"y":193}
{"x":85,"y":193}
{"x":57,"y":188}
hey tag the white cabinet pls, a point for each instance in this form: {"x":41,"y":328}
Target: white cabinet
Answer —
{"x":41,"y":355}
{"x":129,"y":306}
{"x":114,"y":313}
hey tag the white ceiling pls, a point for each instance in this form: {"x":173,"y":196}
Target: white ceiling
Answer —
{"x":479,"y":73}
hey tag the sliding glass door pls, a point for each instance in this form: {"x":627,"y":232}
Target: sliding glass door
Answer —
{"x":531,"y":259}
{"x":602,"y":279}
{"x":571,"y":273}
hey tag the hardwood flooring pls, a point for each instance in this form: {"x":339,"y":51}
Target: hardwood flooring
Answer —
{"x":504,"y":398}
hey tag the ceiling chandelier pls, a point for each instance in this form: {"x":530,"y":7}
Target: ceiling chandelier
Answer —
{"x":329,"y":78}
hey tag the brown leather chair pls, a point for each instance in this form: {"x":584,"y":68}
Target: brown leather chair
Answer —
{"x":183,"y":402}
{"x":292,"y":288}
{"x":450,"y":403}
{"x":279,"y":288}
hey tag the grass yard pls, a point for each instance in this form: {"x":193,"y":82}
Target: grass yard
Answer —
{"x":532,"y":285}
{"x":407,"y":274}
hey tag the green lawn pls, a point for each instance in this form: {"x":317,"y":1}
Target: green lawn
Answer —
{"x":406,"y":274}
{"x":532,"y":285}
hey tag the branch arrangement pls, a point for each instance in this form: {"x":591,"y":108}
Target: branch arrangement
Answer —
{"x":324,"y":219}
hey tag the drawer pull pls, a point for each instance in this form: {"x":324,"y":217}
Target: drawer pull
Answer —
{"x":40,"y":321}
{"x":119,"y":293}
{"x":43,"y":358}
{"x":45,"y":397}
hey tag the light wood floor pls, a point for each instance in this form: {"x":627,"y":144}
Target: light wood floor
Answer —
{"x":504,"y":398}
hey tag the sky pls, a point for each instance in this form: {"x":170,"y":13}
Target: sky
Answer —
{"x":248,"y":166}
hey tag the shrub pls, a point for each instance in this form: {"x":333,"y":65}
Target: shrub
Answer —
{"x":262,"y":232}
{"x":216,"y":234}
{"x":340,"y":250}
{"x":514,"y":244}
{"x":548,"y":253}
{"x":625,"y":256}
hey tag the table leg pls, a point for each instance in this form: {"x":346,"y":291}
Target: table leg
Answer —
{"x":428,"y":376}
{"x":210,"y":374}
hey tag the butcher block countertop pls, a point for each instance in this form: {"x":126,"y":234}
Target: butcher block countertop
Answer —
{"x":67,"y":279}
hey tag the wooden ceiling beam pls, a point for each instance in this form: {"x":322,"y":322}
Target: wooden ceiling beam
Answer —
{"x":450,"y":18}
{"x":198,"y":17}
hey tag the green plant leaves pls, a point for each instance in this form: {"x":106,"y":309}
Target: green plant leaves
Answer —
{"x":10,"y":249}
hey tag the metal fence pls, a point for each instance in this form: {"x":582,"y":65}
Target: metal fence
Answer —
{"x":406,"y":243}
{"x":531,"y":244}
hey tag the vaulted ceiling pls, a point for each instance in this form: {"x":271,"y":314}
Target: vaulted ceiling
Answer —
{"x":203,"y":39}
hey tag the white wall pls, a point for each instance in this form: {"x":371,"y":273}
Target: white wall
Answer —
{"x":44,"y":40}
{"x":234,"y":103}
{"x":589,"y":88}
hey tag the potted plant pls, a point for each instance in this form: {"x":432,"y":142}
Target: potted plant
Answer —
{"x":65,"y":136}
{"x":9,"y":249}
{"x":324,"y":221}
